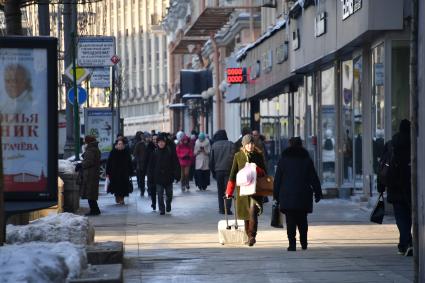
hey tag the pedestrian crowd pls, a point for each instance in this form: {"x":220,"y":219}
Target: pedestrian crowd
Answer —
{"x":160,"y":159}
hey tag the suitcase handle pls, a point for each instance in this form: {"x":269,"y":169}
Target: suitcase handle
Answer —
{"x":226,"y":215}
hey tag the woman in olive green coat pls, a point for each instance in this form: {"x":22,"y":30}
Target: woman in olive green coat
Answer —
{"x":248,"y":207}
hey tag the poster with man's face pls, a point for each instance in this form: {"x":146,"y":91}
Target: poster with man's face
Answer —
{"x":23,"y":118}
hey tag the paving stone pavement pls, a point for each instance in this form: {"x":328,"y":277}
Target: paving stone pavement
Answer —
{"x":183,"y":246}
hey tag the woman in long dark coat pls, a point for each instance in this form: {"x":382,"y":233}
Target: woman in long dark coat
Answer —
{"x":119,"y":169}
{"x":248,"y":207}
{"x":295,"y":182}
{"x":91,"y":170}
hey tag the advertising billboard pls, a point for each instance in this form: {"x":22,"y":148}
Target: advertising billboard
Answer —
{"x":28,"y":117}
{"x":98,"y":123}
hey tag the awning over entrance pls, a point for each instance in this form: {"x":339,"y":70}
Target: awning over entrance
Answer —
{"x":184,"y":45}
{"x":176,"y":106}
{"x":210,"y":21}
{"x":192,"y":96}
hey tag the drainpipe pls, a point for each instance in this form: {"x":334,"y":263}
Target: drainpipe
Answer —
{"x":170,"y":91}
{"x":251,"y":21}
{"x":217,"y":82}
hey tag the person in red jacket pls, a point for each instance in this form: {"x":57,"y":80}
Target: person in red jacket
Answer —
{"x":185,"y":154}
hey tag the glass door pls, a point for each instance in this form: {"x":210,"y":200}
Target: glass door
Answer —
{"x":328,"y":127}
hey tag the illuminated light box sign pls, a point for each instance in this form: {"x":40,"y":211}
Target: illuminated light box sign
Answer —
{"x":28,"y":118}
{"x":236,"y":75}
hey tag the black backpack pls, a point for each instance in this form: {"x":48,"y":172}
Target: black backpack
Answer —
{"x":328,"y":144}
{"x":387,"y":167}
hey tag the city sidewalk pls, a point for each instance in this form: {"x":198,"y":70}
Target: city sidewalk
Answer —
{"x":183,"y":246}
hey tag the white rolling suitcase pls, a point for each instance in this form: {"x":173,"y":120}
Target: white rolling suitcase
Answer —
{"x":231,"y":232}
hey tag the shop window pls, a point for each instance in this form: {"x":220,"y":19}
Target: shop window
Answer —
{"x":400,"y":57}
{"x":328,"y":125}
{"x":299,"y":113}
{"x":378,"y":103}
{"x":347,"y":122}
{"x":245,"y":115}
{"x":310,"y":128}
{"x":358,"y":120}
{"x":284,"y":108}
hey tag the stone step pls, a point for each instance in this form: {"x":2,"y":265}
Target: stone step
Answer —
{"x":104,"y":273}
{"x":110,"y":252}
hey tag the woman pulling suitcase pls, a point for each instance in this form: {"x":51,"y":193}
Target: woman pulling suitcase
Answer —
{"x":248,"y":207}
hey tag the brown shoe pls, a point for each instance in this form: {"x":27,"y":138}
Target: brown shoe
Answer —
{"x":251,"y":242}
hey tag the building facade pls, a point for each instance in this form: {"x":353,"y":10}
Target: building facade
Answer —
{"x":421,"y":141}
{"x":336,"y":75}
{"x":141,"y":45}
{"x":141,"y":74}
{"x":211,"y":47}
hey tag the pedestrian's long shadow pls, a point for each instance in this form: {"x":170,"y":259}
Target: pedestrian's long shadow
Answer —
{"x":362,"y":263}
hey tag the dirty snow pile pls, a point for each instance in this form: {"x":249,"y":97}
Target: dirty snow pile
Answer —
{"x":41,"y":262}
{"x":53,"y":228}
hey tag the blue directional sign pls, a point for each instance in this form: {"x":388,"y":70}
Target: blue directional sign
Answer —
{"x":82,"y":95}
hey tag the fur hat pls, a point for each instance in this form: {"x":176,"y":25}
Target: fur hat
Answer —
{"x":88,"y":139}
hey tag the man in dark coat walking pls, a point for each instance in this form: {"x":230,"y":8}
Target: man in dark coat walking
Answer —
{"x":295,"y":182}
{"x":163,"y":170}
{"x":91,"y":170}
{"x":221,"y":158}
{"x":399,"y":191}
{"x":139,"y":154}
{"x":150,"y":148}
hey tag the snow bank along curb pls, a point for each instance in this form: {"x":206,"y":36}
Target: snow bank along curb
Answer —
{"x":53,"y":228}
{"x":41,"y":262}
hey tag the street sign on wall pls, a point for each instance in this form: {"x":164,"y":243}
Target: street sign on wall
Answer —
{"x":101,"y":78}
{"x":96,"y":51}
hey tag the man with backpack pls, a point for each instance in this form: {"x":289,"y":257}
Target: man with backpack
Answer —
{"x":394,"y":176}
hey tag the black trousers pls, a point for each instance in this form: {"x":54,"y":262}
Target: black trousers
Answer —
{"x":168,"y":197}
{"x":403,"y":219}
{"x":296,"y":219}
{"x":222,"y":177}
{"x":141,"y":181}
{"x":94,"y":208}
{"x":152,"y":192}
